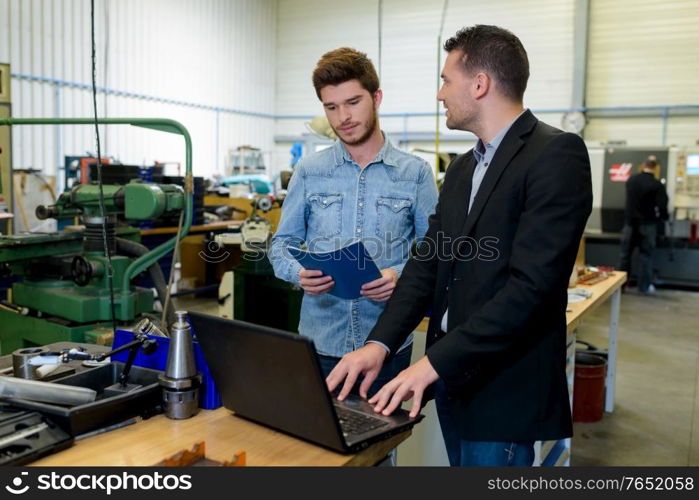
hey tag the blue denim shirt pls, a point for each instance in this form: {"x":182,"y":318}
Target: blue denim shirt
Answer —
{"x":330,"y":203}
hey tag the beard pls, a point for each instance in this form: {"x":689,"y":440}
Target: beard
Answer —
{"x":451,"y":123}
{"x":370,"y":127}
{"x":467,"y":120}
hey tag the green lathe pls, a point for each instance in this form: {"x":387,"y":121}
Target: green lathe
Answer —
{"x":62,"y":292}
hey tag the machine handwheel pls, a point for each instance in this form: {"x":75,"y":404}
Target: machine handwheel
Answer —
{"x":81,"y":270}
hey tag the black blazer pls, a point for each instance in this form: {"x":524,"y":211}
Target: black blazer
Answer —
{"x":503,"y":271}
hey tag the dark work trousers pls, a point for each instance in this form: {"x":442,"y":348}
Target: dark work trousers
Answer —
{"x":641,"y":235}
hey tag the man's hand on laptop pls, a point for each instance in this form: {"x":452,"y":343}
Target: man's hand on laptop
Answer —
{"x":410,"y":383}
{"x":366,"y":361}
{"x":380,"y":290}
{"x":314,"y":283}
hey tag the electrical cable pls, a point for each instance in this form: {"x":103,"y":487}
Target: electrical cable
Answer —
{"x":106,"y":65}
{"x":103,"y":211}
{"x":445,"y":6}
{"x":380,"y":34}
{"x":175,"y":254}
{"x":439,"y":77}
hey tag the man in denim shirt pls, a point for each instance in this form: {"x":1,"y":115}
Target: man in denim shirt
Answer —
{"x":360,"y":188}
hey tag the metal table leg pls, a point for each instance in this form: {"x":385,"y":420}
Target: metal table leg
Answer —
{"x":611,"y":363}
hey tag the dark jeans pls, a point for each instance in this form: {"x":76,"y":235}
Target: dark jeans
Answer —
{"x":641,"y":235}
{"x":399,"y":363}
{"x":465,"y":453}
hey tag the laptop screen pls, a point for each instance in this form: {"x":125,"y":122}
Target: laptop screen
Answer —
{"x":269,"y":376}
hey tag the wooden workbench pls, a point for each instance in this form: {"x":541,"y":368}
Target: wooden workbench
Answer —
{"x":147,"y":442}
{"x":602,"y":291}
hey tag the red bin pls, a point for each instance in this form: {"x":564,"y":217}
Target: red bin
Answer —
{"x":588,"y":388}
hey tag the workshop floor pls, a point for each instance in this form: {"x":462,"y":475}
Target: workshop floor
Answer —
{"x":656,"y":418}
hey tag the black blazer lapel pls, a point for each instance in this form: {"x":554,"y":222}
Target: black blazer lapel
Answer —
{"x":510,"y":145}
{"x":461,"y":194}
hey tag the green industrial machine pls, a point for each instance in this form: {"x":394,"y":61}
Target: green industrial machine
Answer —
{"x":62,"y":291}
{"x":256,"y":290}
{"x":255,"y":287}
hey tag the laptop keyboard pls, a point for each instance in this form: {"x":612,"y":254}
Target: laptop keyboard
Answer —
{"x":353,"y":422}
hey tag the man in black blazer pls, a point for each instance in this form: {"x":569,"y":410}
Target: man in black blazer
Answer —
{"x":493,"y":267}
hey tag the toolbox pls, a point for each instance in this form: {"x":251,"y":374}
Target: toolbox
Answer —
{"x":108,"y":408}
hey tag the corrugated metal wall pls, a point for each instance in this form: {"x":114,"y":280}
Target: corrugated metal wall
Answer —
{"x":257,"y":56}
{"x":218,"y":53}
{"x":307,"y":29}
{"x":643,"y":53}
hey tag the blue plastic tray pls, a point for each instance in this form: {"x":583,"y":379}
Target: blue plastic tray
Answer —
{"x":209,"y":398}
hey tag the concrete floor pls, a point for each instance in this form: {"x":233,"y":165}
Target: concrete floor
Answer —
{"x":656,"y":417}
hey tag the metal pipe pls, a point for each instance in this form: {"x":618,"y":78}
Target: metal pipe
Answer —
{"x":134,"y":249}
{"x":692,"y":109}
{"x":46,"y":392}
{"x":135,"y":95}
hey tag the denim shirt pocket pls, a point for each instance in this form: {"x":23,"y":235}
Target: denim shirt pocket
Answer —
{"x":392,"y":216}
{"x":325,"y":214}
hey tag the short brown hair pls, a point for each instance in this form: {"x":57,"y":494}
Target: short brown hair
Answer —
{"x":497,"y":51}
{"x":344,"y":64}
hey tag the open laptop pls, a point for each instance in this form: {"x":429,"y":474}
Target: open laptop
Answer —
{"x":274,"y":378}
